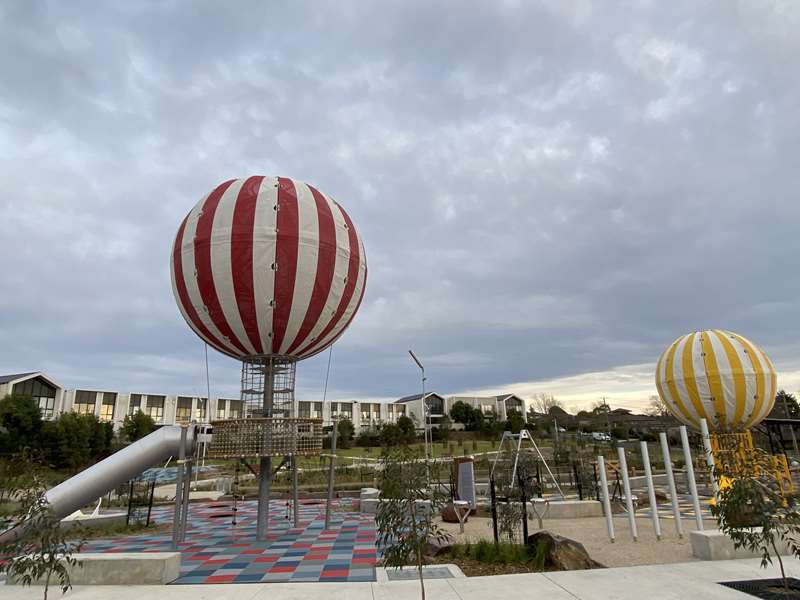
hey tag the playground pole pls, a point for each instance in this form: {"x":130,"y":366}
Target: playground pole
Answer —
{"x":676,"y":511}
{"x":709,"y":456}
{"x":604,"y":492}
{"x":623,"y":467}
{"x":687,"y":458}
{"x":651,"y":491}
{"x":176,"y":515}
{"x":331,"y":474}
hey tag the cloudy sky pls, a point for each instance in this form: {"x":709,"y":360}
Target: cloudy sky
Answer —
{"x":549,"y":193}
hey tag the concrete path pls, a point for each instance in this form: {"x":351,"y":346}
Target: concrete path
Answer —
{"x":674,"y":581}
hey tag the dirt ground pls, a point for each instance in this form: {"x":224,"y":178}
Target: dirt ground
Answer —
{"x":592,"y":533}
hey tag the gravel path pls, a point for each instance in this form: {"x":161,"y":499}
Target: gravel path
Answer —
{"x":591,"y":532}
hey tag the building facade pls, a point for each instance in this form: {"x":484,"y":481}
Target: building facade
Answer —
{"x":113,"y":406}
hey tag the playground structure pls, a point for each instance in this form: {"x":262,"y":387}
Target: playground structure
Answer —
{"x":267,"y":270}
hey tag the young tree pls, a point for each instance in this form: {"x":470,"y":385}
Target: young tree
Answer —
{"x":138,"y":425}
{"x":346,"y":432}
{"x":405,"y":517}
{"x":461,"y":412}
{"x":656,"y":407}
{"x":754,"y":512}
{"x":407,"y":429}
{"x":515,"y":422}
{"x":786,"y":406}
{"x":42,"y":550}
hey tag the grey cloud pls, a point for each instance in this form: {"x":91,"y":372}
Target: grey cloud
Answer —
{"x":544,"y":189}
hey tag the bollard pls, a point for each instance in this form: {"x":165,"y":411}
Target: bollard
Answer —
{"x":626,"y":484}
{"x":687,"y":458}
{"x":651,"y":491}
{"x":604,"y":493}
{"x":673,"y":494}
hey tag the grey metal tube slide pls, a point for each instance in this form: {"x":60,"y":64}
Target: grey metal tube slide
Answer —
{"x":88,"y":485}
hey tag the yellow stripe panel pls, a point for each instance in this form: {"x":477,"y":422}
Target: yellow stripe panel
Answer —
{"x":670,"y":378}
{"x":760,"y":383}
{"x":714,"y":381}
{"x":687,"y":362}
{"x":737,"y":373}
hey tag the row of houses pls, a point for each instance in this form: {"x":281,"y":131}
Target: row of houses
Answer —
{"x":166,"y":409}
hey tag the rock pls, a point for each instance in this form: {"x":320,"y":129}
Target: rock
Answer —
{"x":562,"y":554}
{"x":449,"y":514}
{"x":438,"y":545}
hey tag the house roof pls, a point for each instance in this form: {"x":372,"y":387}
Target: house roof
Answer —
{"x":15,"y":376}
{"x":414,"y":397}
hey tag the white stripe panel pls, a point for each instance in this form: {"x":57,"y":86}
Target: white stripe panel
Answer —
{"x":263,"y":256}
{"x":769,"y":389}
{"x":701,"y":377}
{"x":307,"y":258}
{"x":725,"y":377}
{"x":181,"y":307}
{"x":339,"y":275}
{"x":668,"y":398}
{"x":190,"y":277}
{"x":749,"y":378}
{"x":221,"y":262}
{"x":680,"y":383}
{"x":351,"y":306}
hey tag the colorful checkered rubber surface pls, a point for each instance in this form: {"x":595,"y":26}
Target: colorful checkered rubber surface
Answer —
{"x":217,"y":552}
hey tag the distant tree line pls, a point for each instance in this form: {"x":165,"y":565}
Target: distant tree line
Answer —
{"x":69,"y":442}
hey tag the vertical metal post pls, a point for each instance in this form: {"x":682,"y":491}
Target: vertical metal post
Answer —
{"x":187,"y":482}
{"x":651,"y":491}
{"x":493,"y":497}
{"x":601,"y":465}
{"x":150,"y":502}
{"x":130,"y":502}
{"x":295,"y":493}
{"x":687,"y":459}
{"x":265,"y":467}
{"x":524,"y":510}
{"x":626,"y":483}
{"x":673,"y":494}
{"x":578,"y":482}
{"x":176,"y":515}
{"x":709,"y":456}
{"x":331,"y":474}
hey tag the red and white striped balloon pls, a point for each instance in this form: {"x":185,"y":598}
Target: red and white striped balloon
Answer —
{"x":268,"y":266}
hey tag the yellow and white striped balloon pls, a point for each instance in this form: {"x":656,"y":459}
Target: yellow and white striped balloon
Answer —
{"x":719,"y":376}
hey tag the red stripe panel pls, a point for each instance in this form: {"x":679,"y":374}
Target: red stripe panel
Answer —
{"x":350,"y":286}
{"x":244,"y":217}
{"x":183,"y":295}
{"x":287,"y":242}
{"x":202,"y":263}
{"x":326,"y":261}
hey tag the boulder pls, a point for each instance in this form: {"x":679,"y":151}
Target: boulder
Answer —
{"x":449,"y":514}
{"x":438,"y":545}
{"x":562,"y":554}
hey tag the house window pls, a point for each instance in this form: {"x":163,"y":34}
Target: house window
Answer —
{"x":183,"y":412}
{"x":155,"y":408}
{"x":42,"y":393}
{"x":487,"y":408}
{"x":304,"y":410}
{"x":401,"y":411}
{"x":220,"y":408}
{"x":200,"y":412}
{"x":345,"y":410}
{"x":135,"y":405}
{"x":107,"y":407}
{"x":235,"y":410}
{"x":317,"y":414}
{"x":376,"y":412}
{"x":84,"y":402}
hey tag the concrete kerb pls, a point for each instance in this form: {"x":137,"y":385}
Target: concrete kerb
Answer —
{"x":123,"y":568}
{"x":712,"y":544}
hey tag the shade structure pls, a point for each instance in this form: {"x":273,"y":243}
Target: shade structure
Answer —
{"x":718,"y":376}
{"x":267,"y":266}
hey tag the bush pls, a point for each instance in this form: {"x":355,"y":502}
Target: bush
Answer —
{"x":138,"y":425}
{"x":20,"y":424}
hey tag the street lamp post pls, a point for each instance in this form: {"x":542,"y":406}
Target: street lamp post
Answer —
{"x":425,"y":411}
